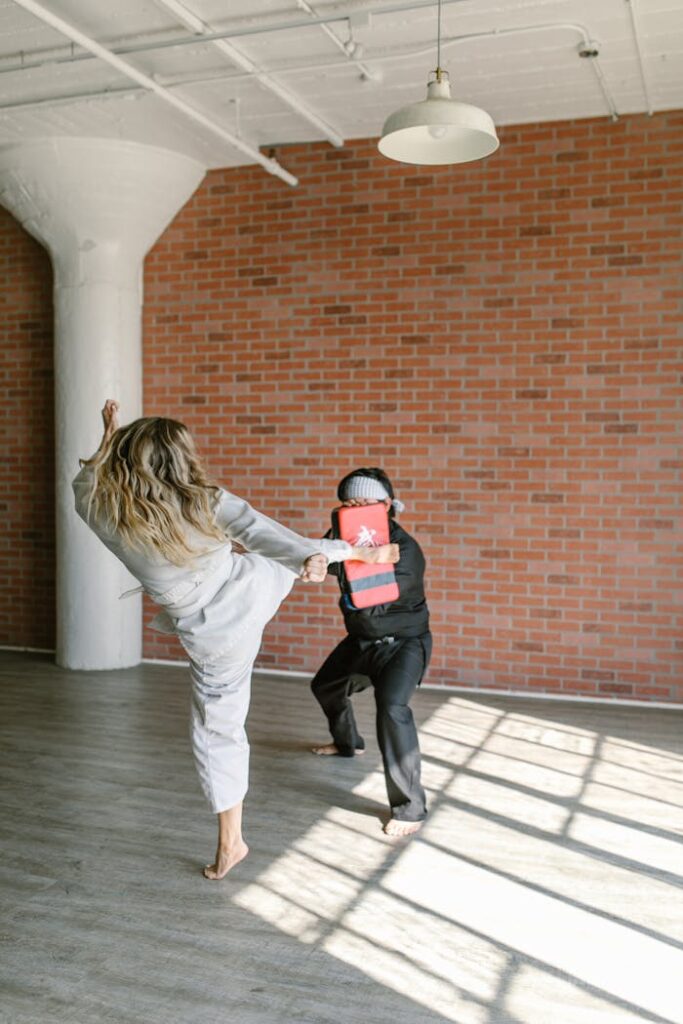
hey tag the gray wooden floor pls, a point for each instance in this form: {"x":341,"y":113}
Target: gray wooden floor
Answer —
{"x":545,"y":888}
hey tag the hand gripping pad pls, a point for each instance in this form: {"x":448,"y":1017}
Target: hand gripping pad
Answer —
{"x":365,"y":526}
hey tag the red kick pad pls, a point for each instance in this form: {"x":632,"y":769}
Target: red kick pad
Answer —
{"x":365,"y":526}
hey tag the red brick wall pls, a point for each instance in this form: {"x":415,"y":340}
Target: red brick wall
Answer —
{"x":26,"y":434}
{"x":501,"y":338}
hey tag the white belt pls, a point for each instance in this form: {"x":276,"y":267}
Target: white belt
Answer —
{"x":178,"y":590}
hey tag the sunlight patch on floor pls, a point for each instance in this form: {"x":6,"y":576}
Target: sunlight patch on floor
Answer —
{"x":535,"y":996}
{"x":502,"y":800}
{"x":629,"y":776}
{"x":426,"y":959}
{"x":648,"y":756}
{"x":543,"y":863}
{"x":494,"y":911}
{"x":645,"y":810}
{"x":531,"y":764}
{"x":573,"y":941}
{"x":630,"y":843}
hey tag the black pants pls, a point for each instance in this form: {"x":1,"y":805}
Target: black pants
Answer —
{"x":394,"y":670}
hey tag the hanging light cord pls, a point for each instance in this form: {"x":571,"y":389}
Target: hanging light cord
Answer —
{"x":438,"y":44}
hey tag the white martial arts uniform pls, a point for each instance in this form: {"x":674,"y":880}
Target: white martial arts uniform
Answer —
{"x":218,"y":607}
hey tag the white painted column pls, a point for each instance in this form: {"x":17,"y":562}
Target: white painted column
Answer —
{"x":97,"y":205}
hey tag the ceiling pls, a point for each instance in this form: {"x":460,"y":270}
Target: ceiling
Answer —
{"x":281,"y":74}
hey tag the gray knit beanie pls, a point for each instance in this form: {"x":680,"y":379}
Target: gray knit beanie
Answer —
{"x":366,"y":487}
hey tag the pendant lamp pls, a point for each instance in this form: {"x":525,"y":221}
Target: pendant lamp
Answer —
{"x":438,"y":130}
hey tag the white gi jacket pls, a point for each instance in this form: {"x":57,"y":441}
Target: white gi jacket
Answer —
{"x":221,"y":596}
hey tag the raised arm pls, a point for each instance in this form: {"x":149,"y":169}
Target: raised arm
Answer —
{"x":264,"y":536}
{"x":82,"y":484}
{"x":110,"y":419}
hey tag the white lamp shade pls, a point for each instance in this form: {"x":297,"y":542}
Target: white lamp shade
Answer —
{"x":438,"y":130}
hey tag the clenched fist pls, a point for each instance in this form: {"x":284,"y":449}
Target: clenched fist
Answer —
{"x":315,"y":569}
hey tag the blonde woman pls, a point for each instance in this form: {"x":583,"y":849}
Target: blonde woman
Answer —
{"x":146,"y":495}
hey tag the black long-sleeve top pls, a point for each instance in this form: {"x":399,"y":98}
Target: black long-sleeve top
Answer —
{"x":407,"y":616}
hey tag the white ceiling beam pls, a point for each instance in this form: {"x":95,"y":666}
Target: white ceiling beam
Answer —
{"x":127,"y":69}
{"x":190,"y":20}
{"x":635,"y":25}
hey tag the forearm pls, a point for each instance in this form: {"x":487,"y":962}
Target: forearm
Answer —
{"x":110,"y":418}
{"x":107,"y":435}
{"x":264,"y":536}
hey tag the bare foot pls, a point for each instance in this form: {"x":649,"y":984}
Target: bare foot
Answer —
{"x":225,"y":860}
{"x":329,"y":749}
{"x":396,"y":827}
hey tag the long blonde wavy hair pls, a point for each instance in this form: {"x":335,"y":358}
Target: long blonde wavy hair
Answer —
{"x":150,"y":485}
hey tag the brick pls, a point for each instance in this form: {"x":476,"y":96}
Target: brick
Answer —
{"x":414,"y":339}
{"x":535,"y":231}
{"x":564,"y":322}
{"x":419,"y":181}
{"x":625,"y":261}
{"x":602,"y":417}
{"x":646,"y":174}
{"x":554,"y":193}
{"x":550,"y":358}
{"x":442,"y":269}
{"x":606,"y":250}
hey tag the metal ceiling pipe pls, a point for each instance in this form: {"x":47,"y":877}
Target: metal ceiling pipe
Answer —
{"x":635,"y":25}
{"x":71,"y":32}
{"x":97,"y":205}
{"x":197,"y":25}
{"x":366,"y":71}
{"x":576,"y":27}
{"x":73,"y":97}
{"x":259,"y":27}
{"x":581,"y":30}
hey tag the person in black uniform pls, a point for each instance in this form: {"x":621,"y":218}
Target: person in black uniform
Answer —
{"x":387,"y":647}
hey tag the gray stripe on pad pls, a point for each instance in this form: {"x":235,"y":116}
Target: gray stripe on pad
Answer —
{"x":368,"y":582}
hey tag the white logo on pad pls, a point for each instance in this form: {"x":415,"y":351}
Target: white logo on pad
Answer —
{"x":366,"y":538}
